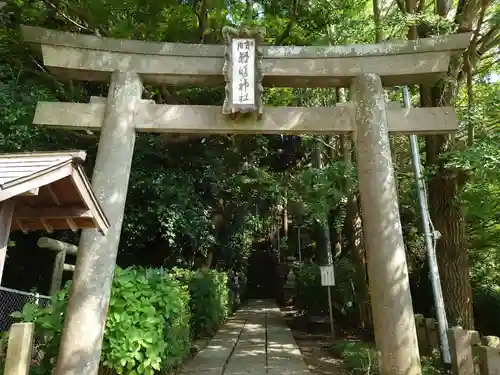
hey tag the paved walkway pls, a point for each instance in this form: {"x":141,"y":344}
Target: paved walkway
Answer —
{"x":255,"y":341}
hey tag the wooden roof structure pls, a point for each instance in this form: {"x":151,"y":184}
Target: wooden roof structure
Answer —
{"x":50,"y":191}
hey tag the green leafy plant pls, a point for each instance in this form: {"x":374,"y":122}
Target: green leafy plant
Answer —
{"x":312,"y":297}
{"x":147,"y":328}
{"x":48,"y":327}
{"x":209,"y":299}
{"x":361,"y":358}
{"x":148,"y":322}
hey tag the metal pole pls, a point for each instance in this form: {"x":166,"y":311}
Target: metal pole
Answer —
{"x":298,"y":245}
{"x":330,"y":310}
{"x":431,"y":237}
{"x":330,"y":263}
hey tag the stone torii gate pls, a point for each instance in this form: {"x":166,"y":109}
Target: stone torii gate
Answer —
{"x":127,"y":64}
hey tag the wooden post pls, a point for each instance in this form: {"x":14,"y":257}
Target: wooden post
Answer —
{"x":432,"y":330}
{"x":81,"y":340}
{"x":6,"y":212}
{"x":19,"y":349}
{"x":393,"y":318}
{"x":57,"y":272}
{"x":61,"y":249}
{"x":423,"y":341}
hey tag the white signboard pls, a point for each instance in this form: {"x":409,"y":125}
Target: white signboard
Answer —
{"x":327,"y":276}
{"x":243,"y":71}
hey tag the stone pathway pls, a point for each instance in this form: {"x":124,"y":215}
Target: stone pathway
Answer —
{"x":255,"y":341}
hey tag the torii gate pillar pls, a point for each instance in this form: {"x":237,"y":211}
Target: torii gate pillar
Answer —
{"x":393,"y":319}
{"x":81,"y":340}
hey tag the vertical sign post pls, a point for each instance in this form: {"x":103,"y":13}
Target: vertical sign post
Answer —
{"x":299,"y":247}
{"x":243,"y":71}
{"x":328,"y":280}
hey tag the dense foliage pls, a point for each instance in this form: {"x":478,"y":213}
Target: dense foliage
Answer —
{"x":209,"y":297}
{"x":361,"y":358}
{"x":312,"y":297}
{"x":210,"y":202}
{"x":153,"y":316}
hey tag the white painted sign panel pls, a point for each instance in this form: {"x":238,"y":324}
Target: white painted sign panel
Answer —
{"x":327,"y":276}
{"x":243,"y":71}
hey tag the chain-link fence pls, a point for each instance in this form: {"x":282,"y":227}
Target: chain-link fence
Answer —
{"x":12,"y":300}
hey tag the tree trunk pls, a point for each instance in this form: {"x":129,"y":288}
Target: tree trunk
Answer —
{"x":321,"y":230}
{"x":444,"y":204}
{"x":354,"y":230}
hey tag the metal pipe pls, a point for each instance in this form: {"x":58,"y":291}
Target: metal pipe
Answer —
{"x":330,"y":312}
{"x":431,"y":237}
{"x":299,"y":245}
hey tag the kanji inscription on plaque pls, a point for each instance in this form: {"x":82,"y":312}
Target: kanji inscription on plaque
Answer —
{"x":243,"y":72}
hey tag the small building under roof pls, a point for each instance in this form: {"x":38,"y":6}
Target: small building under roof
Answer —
{"x":47,"y":191}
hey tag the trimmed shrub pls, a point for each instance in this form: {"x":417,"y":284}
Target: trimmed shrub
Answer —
{"x":148,"y":322}
{"x":209,"y":294}
{"x":152,"y":315}
{"x":147,"y":328}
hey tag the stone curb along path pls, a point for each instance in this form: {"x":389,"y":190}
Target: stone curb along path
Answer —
{"x":255,"y":341}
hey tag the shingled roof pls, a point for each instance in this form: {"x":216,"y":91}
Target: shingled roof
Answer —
{"x":51,"y":191}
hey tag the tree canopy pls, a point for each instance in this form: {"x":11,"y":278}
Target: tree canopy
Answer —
{"x":210,"y":200}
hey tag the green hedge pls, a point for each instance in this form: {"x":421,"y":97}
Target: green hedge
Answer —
{"x":148,"y":322}
{"x":151,"y":317}
{"x":209,"y":299}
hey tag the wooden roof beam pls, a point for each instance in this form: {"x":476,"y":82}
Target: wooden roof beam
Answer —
{"x":82,"y":184}
{"x":202,"y":120}
{"x":30,"y":193}
{"x":46,"y":225}
{"x":69,"y":221}
{"x":51,"y":212}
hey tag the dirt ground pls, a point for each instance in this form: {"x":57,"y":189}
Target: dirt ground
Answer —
{"x":313,"y":342}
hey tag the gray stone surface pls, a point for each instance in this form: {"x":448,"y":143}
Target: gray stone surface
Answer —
{"x":81,"y":340}
{"x":239,"y":348}
{"x":456,"y":42}
{"x":185,"y":119}
{"x":395,"y":333}
{"x":84,"y":57}
{"x":212,"y":359}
